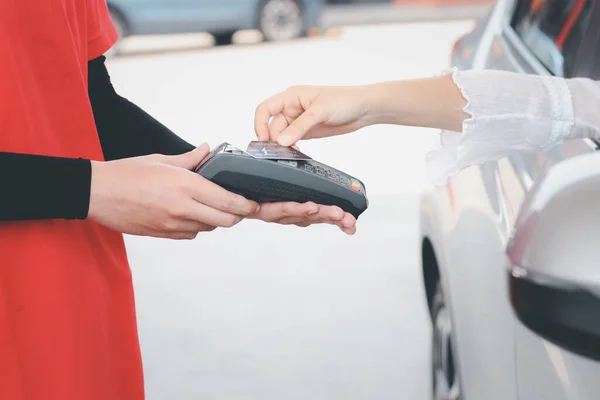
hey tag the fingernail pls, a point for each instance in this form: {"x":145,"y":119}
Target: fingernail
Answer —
{"x":313,"y":211}
{"x":203,"y":146}
{"x":283,"y":140}
{"x":257,"y":209}
{"x":349,"y":232}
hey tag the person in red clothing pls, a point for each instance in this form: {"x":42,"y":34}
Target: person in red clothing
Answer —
{"x":80,"y":166}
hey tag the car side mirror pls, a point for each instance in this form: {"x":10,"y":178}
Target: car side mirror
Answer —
{"x":555,"y":256}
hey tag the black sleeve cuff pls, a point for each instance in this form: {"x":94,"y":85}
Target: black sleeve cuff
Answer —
{"x":40,"y":187}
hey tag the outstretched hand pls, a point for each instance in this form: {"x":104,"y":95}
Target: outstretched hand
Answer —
{"x":308,"y":112}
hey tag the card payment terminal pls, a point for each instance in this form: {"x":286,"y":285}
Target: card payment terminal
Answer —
{"x":267,"y":172}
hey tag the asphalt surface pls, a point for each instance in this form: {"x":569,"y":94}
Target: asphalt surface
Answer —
{"x":270,"y":312}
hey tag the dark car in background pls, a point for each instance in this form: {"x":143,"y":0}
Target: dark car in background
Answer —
{"x":276,"y":19}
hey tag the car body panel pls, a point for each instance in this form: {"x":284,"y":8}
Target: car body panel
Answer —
{"x":183,"y":16}
{"x":469,"y":223}
{"x":473,"y":277}
{"x":547,"y":372}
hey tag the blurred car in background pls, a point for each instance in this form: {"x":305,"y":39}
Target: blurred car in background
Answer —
{"x":510,"y":248}
{"x":276,"y":19}
{"x":357,"y":1}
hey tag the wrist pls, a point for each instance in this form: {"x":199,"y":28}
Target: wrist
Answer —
{"x":383,"y":103}
{"x":95,"y":188}
{"x":428,"y":103}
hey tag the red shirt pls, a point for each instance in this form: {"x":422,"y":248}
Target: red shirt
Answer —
{"x":67,"y":316}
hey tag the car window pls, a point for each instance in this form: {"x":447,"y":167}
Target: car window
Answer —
{"x":553,"y":30}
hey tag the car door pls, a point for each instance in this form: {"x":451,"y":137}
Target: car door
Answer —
{"x":557,"y":37}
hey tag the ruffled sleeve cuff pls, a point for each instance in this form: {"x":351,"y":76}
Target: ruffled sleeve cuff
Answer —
{"x":507,"y":112}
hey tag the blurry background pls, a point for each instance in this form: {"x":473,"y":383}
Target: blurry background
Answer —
{"x":270,"y":312}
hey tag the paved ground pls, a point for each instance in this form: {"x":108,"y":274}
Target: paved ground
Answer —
{"x":267,"y":312}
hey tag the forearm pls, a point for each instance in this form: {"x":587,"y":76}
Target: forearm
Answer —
{"x":124,"y":129}
{"x":504,"y":112}
{"x":431,"y":103}
{"x":37,"y":187}
{"x":567,"y":107}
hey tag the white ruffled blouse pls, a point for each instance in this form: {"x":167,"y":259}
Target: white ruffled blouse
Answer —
{"x":514,"y":112}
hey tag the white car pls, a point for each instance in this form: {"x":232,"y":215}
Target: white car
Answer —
{"x":511,"y":249}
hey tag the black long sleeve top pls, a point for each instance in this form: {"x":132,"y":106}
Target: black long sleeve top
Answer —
{"x":124,"y":131}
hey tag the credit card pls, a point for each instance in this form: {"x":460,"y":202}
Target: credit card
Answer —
{"x":274,"y":151}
